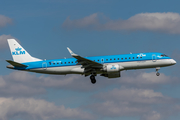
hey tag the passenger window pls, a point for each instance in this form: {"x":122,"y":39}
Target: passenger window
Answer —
{"x":106,"y":59}
{"x":71,"y":62}
{"x":57,"y":62}
{"x":125,"y":58}
{"x":140,"y":57}
{"x":133,"y":57}
{"x":110,"y":59}
{"x":137,"y":57}
{"x":61,"y":63}
{"x":64,"y":62}
{"x":68,"y":62}
{"x":98,"y":60}
{"x":121,"y":58}
{"x":129,"y":58}
{"x":101,"y":59}
{"x":118,"y":58}
{"x":114,"y":58}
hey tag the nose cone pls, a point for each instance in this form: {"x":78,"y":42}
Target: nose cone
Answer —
{"x":173,"y":61}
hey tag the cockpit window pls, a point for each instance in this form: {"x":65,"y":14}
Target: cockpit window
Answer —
{"x":163,"y":55}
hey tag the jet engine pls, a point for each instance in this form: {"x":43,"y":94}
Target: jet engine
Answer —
{"x":112,"y":70}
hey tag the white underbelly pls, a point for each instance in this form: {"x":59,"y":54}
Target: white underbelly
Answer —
{"x":60,"y":70}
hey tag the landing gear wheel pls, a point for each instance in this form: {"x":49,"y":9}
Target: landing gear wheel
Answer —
{"x":93,"y":80}
{"x":157,"y":73}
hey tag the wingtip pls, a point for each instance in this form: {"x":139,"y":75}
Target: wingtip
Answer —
{"x":70,"y":51}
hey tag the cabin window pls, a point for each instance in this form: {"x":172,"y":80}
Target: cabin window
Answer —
{"x":69,"y":62}
{"x":110,"y":59}
{"x":140,"y":57}
{"x":54,"y":63}
{"x":114,"y":58}
{"x":64,"y":62}
{"x":106,"y":59}
{"x":61,"y":62}
{"x":129,"y":58}
{"x":101,"y":59}
{"x":133,"y":57}
{"x":125,"y":58}
{"x":118,"y":58}
{"x":121,"y":58}
{"x":57,"y":62}
{"x":98,"y":60}
{"x":137,"y":57}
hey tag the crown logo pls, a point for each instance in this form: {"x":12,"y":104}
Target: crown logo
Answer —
{"x":113,"y":67}
{"x":18,"y":49}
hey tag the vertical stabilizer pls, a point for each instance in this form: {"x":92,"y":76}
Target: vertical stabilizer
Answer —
{"x":18,"y":53}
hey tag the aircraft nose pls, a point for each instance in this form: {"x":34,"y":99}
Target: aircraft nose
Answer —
{"x":173,"y":61}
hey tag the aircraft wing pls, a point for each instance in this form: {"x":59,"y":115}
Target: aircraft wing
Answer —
{"x":86,"y":63}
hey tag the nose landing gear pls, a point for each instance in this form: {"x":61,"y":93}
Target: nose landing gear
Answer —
{"x":93,"y":80}
{"x":157,"y":73}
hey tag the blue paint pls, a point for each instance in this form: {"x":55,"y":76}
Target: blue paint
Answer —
{"x":18,"y":51}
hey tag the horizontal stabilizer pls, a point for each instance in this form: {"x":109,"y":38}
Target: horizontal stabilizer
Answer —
{"x":16,"y":64}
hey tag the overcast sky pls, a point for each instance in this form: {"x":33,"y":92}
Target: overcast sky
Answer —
{"x":90,"y":28}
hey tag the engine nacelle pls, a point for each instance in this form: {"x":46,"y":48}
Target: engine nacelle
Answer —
{"x":112,"y":75}
{"x":112,"y":68}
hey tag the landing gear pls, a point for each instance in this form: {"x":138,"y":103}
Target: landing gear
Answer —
{"x":93,"y":80}
{"x":157,"y":73}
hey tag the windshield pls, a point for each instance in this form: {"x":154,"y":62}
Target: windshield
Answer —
{"x":163,"y":55}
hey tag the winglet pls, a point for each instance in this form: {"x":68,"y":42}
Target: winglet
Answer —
{"x":71,"y":52}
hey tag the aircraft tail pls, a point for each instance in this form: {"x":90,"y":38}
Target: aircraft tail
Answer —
{"x":19,"y":54}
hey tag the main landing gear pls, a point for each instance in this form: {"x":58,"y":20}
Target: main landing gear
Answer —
{"x":93,"y":80}
{"x":157,"y":73}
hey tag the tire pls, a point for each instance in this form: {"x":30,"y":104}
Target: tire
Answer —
{"x":92,"y":77}
{"x":157,"y":73}
{"x":93,"y":81}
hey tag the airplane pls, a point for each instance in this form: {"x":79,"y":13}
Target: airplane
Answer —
{"x":107,"y":66}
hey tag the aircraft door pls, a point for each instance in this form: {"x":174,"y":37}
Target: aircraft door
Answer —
{"x":102,"y":60}
{"x":154,"y":58}
{"x":44,"y":65}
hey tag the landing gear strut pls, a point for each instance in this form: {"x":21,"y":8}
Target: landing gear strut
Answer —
{"x":93,"y":80}
{"x":157,"y":73}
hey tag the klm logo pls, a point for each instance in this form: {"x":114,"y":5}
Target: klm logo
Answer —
{"x":113,"y":68}
{"x":18,"y":51}
{"x":141,"y":55}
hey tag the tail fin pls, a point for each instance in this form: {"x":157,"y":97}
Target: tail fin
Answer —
{"x":18,"y":53}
